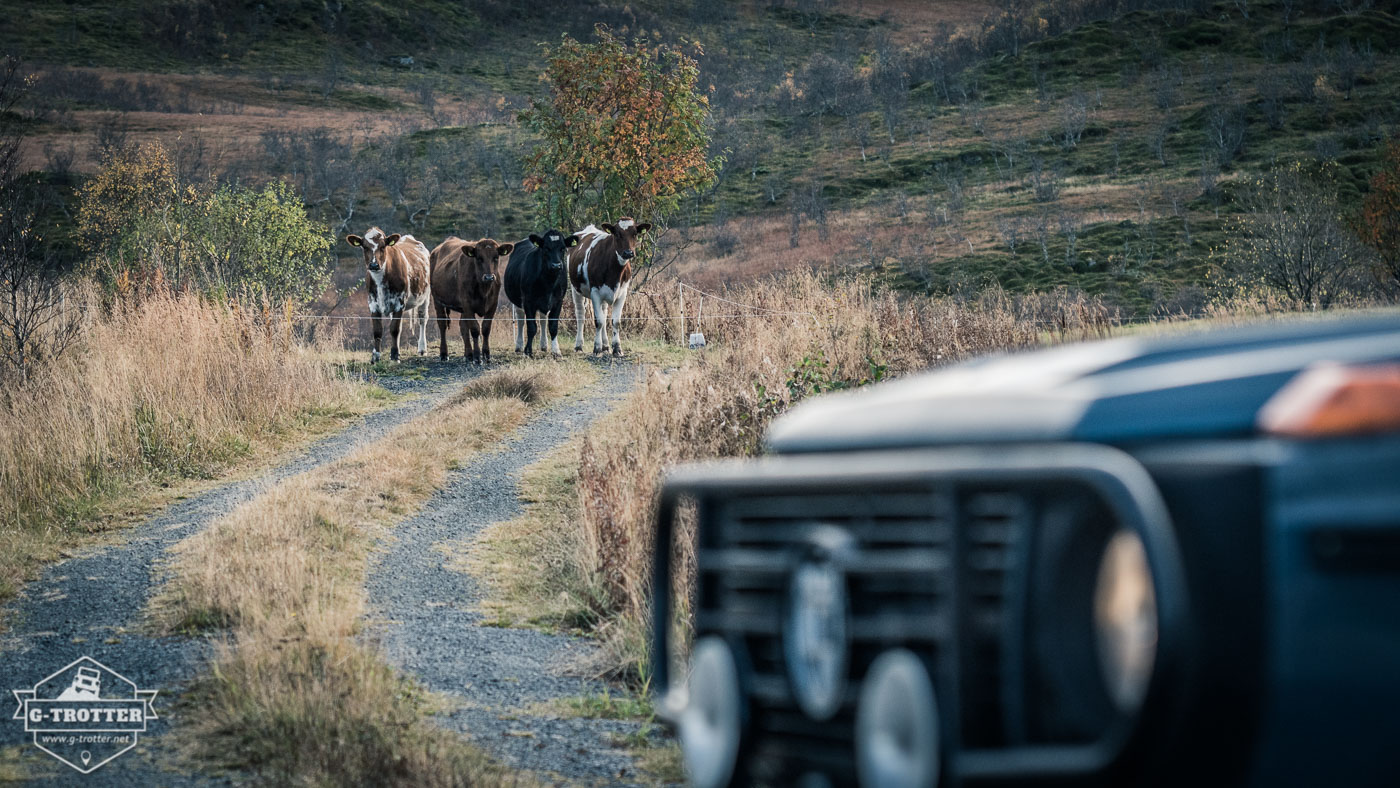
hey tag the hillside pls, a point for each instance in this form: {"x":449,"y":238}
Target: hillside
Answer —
{"x":1085,"y":149}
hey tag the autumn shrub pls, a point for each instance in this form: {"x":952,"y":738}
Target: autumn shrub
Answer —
{"x":624,"y":131}
{"x":1379,"y":223}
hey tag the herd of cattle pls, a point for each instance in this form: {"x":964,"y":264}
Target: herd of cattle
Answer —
{"x":402,"y":277}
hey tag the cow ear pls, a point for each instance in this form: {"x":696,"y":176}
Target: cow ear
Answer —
{"x":504,"y":249}
{"x":391,"y":240}
{"x":571,"y":240}
{"x":353,"y":240}
{"x":608,"y":228}
{"x":469,"y":249}
{"x":536,"y":240}
{"x":643,"y":227}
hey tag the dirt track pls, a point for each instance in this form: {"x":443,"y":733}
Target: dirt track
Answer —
{"x":431,"y":627}
{"x":424,"y":613}
{"x":93,"y":604}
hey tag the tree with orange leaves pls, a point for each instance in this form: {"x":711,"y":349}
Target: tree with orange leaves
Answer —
{"x":1379,"y":226}
{"x":625,"y":132}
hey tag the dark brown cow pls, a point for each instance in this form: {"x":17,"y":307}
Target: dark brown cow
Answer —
{"x":466,"y":279}
{"x":396,"y":278}
{"x":601,"y":267}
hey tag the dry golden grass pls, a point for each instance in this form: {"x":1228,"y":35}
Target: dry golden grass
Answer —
{"x":291,"y":692}
{"x":167,"y":389}
{"x":581,"y":554}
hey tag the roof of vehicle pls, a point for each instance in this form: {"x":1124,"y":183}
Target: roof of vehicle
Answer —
{"x":1191,"y":385}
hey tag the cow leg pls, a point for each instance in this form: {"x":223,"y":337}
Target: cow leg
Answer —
{"x":378,"y":330}
{"x":444,"y":321}
{"x":462,"y":319}
{"x":423,"y":328}
{"x":554,"y":327}
{"x":395,"y":325}
{"x":519,"y":315}
{"x":617,"y":319}
{"x":486,"y":321}
{"x":476,"y":339}
{"x":600,"y":320}
{"x":528,"y":316}
{"x":578,"y":311}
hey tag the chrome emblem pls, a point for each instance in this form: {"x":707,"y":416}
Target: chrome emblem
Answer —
{"x":814,"y":637}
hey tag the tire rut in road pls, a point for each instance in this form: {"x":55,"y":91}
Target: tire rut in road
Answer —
{"x":428,"y":620}
{"x":93,"y":604}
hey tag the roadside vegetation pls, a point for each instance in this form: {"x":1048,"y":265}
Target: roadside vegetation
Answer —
{"x":116,"y":388}
{"x":294,"y":693}
{"x":580,"y":556}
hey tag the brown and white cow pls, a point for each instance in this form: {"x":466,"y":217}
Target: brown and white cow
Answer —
{"x":466,"y":279}
{"x":396,"y":278}
{"x":601,"y":267}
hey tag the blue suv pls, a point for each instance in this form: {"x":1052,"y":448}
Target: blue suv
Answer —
{"x":1146,"y":561}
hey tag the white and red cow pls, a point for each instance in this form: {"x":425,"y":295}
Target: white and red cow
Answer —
{"x":601,"y":267}
{"x":396,"y":278}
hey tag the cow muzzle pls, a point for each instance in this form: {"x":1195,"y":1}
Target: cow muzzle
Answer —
{"x":374,"y":266}
{"x":489,"y":278}
{"x":628,"y":255}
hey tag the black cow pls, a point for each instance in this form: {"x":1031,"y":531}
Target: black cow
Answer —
{"x":535,"y":281}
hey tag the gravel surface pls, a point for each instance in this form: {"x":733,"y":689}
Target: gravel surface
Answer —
{"x":429,"y":623}
{"x":93,"y":604}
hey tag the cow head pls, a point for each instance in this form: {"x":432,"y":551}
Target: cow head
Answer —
{"x":626,"y":232}
{"x":553,"y":246}
{"x":484,"y":258}
{"x":375,"y":244}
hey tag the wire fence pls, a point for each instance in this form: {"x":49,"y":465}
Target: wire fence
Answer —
{"x":759,"y":312}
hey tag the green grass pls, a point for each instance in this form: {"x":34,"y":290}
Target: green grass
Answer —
{"x":607,"y":706}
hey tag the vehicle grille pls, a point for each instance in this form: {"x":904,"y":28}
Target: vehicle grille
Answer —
{"x":928,"y":562}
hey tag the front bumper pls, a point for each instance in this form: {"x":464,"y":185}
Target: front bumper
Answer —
{"x":955,"y":558}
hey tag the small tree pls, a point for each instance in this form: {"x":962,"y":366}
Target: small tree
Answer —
{"x":1380,"y":219}
{"x":1292,"y":239}
{"x":36,"y":322}
{"x":625,"y":131}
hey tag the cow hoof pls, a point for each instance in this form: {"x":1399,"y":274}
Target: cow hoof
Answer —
{"x":374,"y":357}
{"x":617,"y":351}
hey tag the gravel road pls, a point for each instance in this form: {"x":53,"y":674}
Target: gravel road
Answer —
{"x":92,"y":604}
{"x":428,"y":621}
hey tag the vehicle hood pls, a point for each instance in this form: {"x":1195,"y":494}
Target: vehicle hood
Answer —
{"x":1194,"y":385}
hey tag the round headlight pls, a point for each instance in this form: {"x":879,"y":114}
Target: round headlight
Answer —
{"x":709,"y":727}
{"x":897,"y":724}
{"x":814,"y":637}
{"x":1125,"y":620}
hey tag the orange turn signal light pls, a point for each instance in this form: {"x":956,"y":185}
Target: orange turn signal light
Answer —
{"x":1332,"y":400}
